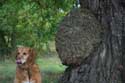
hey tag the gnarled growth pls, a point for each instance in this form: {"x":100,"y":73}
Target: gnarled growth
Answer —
{"x":78,"y":36}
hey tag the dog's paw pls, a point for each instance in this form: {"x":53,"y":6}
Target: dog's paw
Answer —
{"x":28,"y":81}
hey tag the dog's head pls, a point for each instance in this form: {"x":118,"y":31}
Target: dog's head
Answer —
{"x":25,"y":55}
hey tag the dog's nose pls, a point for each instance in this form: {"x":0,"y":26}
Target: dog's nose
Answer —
{"x":18,"y":58}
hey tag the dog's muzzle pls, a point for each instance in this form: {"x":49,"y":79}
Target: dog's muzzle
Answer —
{"x":18,"y":61}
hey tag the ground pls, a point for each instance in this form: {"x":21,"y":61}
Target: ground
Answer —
{"x":51,"y":68}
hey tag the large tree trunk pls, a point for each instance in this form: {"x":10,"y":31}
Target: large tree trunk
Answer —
{"x":105,"y":63}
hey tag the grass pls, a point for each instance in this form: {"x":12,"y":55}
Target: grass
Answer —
{"x":51,"y":68}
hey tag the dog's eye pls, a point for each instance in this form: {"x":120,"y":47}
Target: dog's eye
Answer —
{"x":24,"y":53}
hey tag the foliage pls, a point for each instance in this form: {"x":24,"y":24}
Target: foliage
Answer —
{"x":30,"y":22}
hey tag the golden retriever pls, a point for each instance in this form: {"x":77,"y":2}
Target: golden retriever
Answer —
{"x":26,"y":71}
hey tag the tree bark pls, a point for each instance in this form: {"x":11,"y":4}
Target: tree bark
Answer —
{"x":106,"y":63}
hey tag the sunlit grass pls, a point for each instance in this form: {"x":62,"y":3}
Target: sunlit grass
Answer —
{"x":51,"y":68}
{"x":50,"y":65}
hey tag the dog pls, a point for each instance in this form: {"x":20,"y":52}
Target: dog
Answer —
{"x":26,"y":70}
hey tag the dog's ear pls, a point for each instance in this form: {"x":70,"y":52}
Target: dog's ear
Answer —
{"x":32,"y":52}
{"x":32,"y":55}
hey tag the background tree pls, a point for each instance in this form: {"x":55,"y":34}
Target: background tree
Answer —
{"x":30,"y":23}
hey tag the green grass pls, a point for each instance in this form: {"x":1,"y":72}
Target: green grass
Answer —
{"x":51,"y":68}
{"x":51,"y":65}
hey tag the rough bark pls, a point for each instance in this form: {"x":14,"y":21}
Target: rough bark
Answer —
{"x":106,"y":63}
{"x":77,"y":38}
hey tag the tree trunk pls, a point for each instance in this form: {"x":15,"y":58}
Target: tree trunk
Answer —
{"x":105,"y":63}
{"x":2,"y":43}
